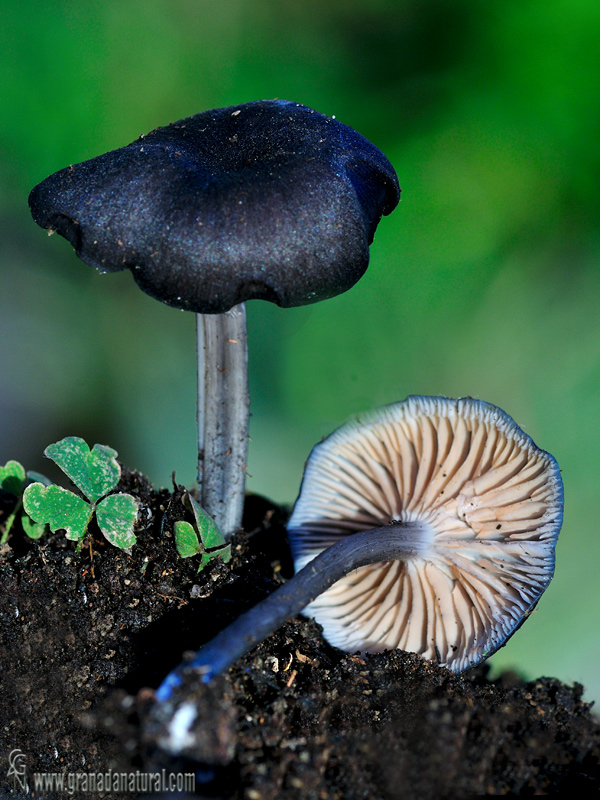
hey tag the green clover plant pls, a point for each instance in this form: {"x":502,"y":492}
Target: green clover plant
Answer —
{"x":96,"y":472}
{"x":203,"y":537}
{"x":13,"y":480}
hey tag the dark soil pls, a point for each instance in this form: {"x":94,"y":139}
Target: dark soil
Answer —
{"x":87,"y":636}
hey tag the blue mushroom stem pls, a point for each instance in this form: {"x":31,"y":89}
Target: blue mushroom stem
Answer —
{"x":222,"y":416}
{"x":397,"y":541}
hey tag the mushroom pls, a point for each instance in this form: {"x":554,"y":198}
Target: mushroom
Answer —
{"x":428,"y":525}
{"x":268,"y":200}
{"x":484,"y":503}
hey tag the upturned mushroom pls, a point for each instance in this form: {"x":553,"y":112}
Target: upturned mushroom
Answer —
{"x":268,"y":200}
{"x":428,"y":525}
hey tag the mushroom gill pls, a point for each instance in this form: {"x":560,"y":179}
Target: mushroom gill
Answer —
{"x":488,"y":507}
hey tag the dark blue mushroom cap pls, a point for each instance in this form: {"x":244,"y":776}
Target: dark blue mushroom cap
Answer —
{"x":267,"y":200}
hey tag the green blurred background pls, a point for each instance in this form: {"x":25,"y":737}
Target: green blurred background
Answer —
{"x":484,"y":282}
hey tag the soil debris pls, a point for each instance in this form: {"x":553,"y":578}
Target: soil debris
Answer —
{"x":87,"y":636}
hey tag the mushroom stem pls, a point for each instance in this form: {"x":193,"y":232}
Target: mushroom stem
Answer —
{"x":398,"y":541}
{"x":223,"y":415}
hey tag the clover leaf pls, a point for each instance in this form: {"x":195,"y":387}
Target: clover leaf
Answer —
{"x":34,"y":530}
{"x":59,"y":508}
{"x":96,"y":472}
{"x":203,"y":537}
{"x":186,"y":539}
{"x":13,"y":480}
{"x":116,"y":516}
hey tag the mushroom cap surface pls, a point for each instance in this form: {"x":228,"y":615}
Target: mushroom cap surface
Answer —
{"x":489,"y":504}
{"x":267,"y":200}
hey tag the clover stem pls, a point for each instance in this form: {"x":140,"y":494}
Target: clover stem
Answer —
{"x":223,"y":415}
{"x":9,"y":522}
{"x":398,"y":541}
{"x":92,"y":505}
